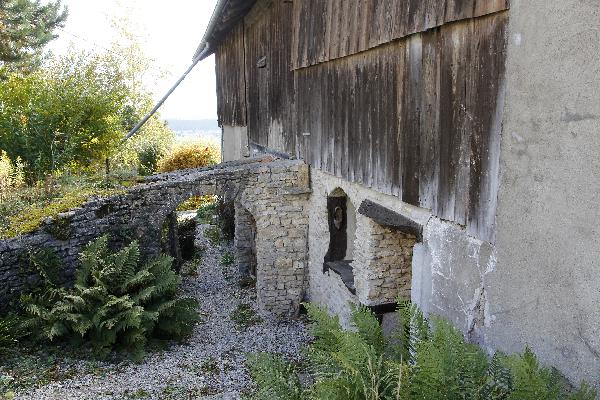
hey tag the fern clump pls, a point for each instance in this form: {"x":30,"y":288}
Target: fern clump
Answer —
{"x":423,"y":360}
{"x":117,"y":302}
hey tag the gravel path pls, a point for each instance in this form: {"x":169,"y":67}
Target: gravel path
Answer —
{"x":209,"y":366}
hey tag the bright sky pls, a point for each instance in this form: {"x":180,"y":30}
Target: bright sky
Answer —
{"x":170,"y":31}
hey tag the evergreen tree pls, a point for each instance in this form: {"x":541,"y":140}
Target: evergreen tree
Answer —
{"x":26,"y":26}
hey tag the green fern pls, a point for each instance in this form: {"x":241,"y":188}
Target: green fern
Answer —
{"x":116,"y":303}
{"x":8,"y":333}
{"x":276,"y":378}
{"x":423,"y":360}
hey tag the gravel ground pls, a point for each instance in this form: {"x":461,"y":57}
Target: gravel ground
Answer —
{"x":210,"y":365}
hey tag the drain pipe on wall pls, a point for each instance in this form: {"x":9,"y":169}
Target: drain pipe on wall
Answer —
{"x":140,"y":124}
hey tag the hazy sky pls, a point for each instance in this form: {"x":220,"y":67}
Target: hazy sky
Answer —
{"x":170,"y":30}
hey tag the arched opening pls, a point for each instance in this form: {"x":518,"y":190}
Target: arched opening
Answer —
{"x":341,"y":217}
{"x":245,"y":243}
{"x":179,"y":229}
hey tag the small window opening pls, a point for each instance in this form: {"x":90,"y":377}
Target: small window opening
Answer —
{"x":341,"y":216}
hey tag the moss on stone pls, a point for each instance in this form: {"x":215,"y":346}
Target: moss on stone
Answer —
{"x":31,"y":217}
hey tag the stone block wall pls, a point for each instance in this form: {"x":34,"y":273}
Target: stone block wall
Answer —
{"x":278,"y":203}
{"x":274,"y":191}
{"x":382,"y":263}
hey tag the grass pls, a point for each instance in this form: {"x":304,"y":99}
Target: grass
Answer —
{"x":213,"y":234}
{"x":227,"y":259}
{"x":24,"y":368}
{"x":244,"y":316}
{"x":24,"y":209}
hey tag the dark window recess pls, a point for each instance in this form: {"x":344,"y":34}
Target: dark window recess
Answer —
{"x":344,"y":270}
{"x":337,"y":215}
{"x":338,"y":224}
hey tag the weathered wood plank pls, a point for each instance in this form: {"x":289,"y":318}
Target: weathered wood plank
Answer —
{"x":231,"y":82}
{"x":411,"y":121}
{"x":430,"y":131}
{"x":459,"y":9}
{"x":339,"y":28}
{"x":488,"y":71}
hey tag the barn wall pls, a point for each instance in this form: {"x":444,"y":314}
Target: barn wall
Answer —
{"x":231,"y":79}
{"x":270,"y":90}
{"x":418,"y":118}
{"x":326,"y":30}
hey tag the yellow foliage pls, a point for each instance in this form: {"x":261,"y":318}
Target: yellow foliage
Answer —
{"x":194,"y":203}
{"x":196,"y":154}
{"x":31,"y":217}
{"x":11,"y":174}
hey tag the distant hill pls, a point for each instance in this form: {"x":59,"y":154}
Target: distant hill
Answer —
{"x":201,"y":128}
{"x":199,"y":124}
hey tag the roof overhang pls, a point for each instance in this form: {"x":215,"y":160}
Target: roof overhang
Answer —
{"x":225,"y":17}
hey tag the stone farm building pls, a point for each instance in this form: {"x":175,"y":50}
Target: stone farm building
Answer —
{"x":452,"y":149}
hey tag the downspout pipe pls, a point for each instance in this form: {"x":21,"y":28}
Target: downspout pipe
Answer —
{"x":203,"y":51}
{"x":166,"y":96}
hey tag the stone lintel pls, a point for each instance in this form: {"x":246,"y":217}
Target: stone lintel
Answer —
{"x":388,"y":218}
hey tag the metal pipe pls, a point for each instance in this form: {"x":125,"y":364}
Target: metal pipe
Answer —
{"x":201,"y":52}
{"x":166,"y":96}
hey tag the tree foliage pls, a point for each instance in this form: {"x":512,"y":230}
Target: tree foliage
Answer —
{"x":72,"y":114}
{"x":422,"y":361}
{"x":26,"y":26}
{"x":117,"y":302}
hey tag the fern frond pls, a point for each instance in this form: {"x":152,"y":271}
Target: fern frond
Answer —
{"x":276,"y":378}
{"x":368,"y":327}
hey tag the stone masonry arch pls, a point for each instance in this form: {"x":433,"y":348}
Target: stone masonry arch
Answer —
{"x":274,"y":191}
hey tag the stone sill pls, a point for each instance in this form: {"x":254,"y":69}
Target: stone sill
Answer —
{"x":344,"y":270}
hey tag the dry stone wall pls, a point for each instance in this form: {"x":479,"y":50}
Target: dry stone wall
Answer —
{"x":382,"y":262}
{"x":278,"y":204}
{"x":274,"y":191}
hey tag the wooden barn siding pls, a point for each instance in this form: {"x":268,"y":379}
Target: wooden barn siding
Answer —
{"x":270,"y":90}
{"x":418,"y":118}
{"x":231,"y":80}
{"x":328,"y":29}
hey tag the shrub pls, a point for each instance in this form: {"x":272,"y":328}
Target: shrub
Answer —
{"x":11,"y":174}
{"x":244,"y":316}
{"x":196,"y":203}
{"x":423,"y":361}
{"x":8,"y":333}
{"x":196,"y":154}
{"x":116,"y":303}
{"x":26,"y":218}
{"x":207,"y":212}
{"x":72,"y":113}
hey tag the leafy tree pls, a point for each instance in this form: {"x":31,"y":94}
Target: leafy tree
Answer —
{"x":26,"y":26}
{"x":73,"y":113}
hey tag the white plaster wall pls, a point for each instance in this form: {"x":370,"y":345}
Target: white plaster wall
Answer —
{"x":234,"y":143}
{"x":449,"y":269}
{"x":545,"y":290}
